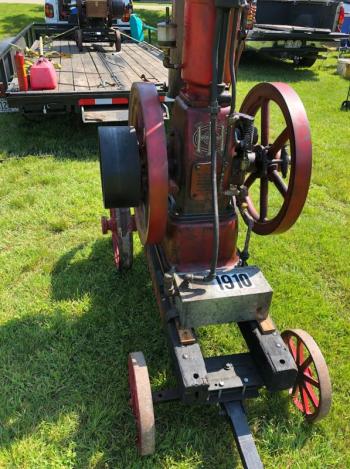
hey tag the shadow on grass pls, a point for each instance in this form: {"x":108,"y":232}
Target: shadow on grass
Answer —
{"x":63,"y":137}
{"x":73,"y":365}
{"x":68,"y":367}
{"x":258,"y":67}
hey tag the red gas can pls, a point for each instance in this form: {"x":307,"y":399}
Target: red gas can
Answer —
{"x":21,"y":71}
{"x":43,"y":75}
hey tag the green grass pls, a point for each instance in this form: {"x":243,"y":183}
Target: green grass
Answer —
{"x":14,"y":17}
{"x":68,"y":320}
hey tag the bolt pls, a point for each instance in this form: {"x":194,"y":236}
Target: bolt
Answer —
{"x":245,"y":380}
{"x":274,"y":333}
{"x":228,"y":366}
{"x":278,"y":345}
{"x":221,"y":384}
{"x":185,"y":356}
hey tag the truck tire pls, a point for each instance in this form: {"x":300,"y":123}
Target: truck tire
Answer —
{"x":304,"y":61}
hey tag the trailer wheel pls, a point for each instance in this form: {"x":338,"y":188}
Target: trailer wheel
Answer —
{"x":312,"y":390}
{"x":304,"y":61}
{"x":118,"y":40}
{"x":142,"y":403}
{"x":79,"y":39}
{"x":120,"y":224}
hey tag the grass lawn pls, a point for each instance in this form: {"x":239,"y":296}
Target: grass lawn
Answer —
{"x":68,"y":320}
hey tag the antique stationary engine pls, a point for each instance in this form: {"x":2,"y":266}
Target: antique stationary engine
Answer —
{"x":95,"y":17}
{"x":188,"y":182}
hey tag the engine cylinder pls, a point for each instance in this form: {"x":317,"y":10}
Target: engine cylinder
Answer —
{"x":199,"y":30}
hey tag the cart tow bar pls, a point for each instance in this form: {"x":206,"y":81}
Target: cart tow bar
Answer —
{"x":244,"y":439}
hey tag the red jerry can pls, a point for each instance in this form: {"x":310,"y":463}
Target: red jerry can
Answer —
{"x":43,"y":75}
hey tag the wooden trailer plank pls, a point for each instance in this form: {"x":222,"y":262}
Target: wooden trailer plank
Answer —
{"x":65,"y":82}
{"x":147,"y":56}
{"x":80,"y":80}
{"x":107,"y":81}
{"x":138,"y":60}
{"x":87,"y":71}
{"x":134,"y":70}
{"x":122,"y":69}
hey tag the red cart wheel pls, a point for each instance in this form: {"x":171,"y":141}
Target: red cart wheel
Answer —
{"x":145,"y":114}
{"x":289,"y":152}
{"x":312,"y":391}
{"x":142,"y":403}
{"x":120,"y":224}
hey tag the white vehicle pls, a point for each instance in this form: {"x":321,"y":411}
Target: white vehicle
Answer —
{"x":58,"y":11}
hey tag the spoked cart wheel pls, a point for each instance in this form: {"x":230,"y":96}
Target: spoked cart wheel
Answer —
{"x":120,"y":224}
{"x":312,"y":391}
{"x":142,"y":403}
{"x":282,"y":163}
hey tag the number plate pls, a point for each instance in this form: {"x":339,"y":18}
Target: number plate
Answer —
{"x":230,"y":281}
{"x":240,"y":294}
{"x":4,"y":107}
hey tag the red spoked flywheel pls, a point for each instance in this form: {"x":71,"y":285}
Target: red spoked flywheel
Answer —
{"x":146,"y":116}
{"x":283,"y":161}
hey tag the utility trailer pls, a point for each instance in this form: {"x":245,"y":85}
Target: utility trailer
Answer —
{"x":95,"y":82}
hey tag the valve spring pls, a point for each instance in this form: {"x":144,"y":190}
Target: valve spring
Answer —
{"x":248,"y":133}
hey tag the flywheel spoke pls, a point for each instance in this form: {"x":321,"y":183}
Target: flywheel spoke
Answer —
{"x":279,"y":183}
{"x":250,"y":179}
{"x":280,"y":141}
{"x":265,"y":122}
{"x":264,"y":194}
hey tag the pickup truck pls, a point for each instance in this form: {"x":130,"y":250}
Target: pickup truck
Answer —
{"x":296,"y":29}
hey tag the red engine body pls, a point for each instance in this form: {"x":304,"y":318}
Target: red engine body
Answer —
{"x":189,"y":237}
{"x":188,"y":243}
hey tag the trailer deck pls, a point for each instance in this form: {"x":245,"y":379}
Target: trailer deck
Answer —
{"x":95,"y":82}
{"x":86,"y":71}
